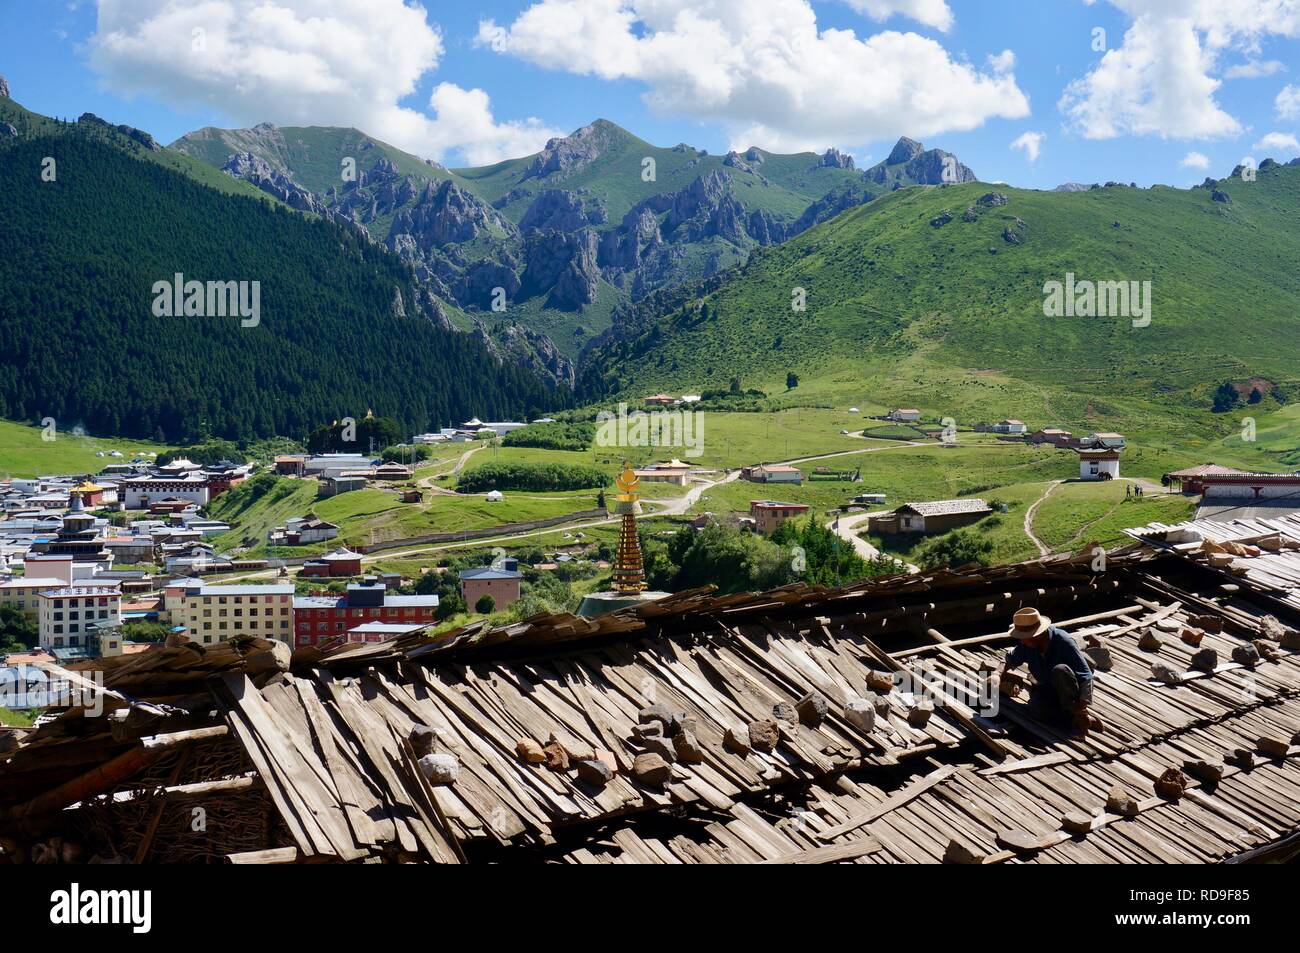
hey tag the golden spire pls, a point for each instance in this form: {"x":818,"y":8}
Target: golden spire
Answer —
{"x":629,"y":575}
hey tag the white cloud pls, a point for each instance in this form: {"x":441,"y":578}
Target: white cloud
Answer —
{"x":1003,"y":62}
{"x":1253,"y":69}
{"x":297,"y":62}
{"x":763,"y":68}
{"x":1031,"y":143}
{"x":1288,"y":102}
{"x":1195,"y":160}
{"x":1161,"y":81}
{"x":1281,"y":141}
{"x":935,"y":13}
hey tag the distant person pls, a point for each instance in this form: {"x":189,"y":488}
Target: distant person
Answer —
{"x":1062,"y":689}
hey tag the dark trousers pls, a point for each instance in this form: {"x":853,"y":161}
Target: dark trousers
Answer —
{"x":1057,"y":699}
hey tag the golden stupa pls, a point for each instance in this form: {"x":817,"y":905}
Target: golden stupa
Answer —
{"x":629,"y":573}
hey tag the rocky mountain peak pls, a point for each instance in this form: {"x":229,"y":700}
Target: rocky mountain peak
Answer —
{"x":834,"y":159}
{"x":4,"y":88}
{"x":572,"y":153}
{"x":905,"y":150}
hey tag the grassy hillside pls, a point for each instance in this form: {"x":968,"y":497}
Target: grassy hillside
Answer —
{"x":949,"y":317}
{"x":23,"y":452}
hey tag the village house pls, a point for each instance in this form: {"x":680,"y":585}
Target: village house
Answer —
{"x":21,"y":592}
{"x":291,"y":464}
{"x":501,"y":583}
{"x":905,"y":415}
{"x":302,"y":531}
{"x":1103,"y":441}
{"x":769,"y":514}
{"x":938,"y":516}
{"x":341,"y":562}
{"x":393,"y":472}
{"x":674,"y":471}
{"x":660,"y":400}
{"x":1012,"y":427}
{"x":1191,"y":481}
{"x":143,"y":491}
{"x":1098,"y":463}
{"x":1053,"y":435}
{"x":772,"y":473}
{"x":334,"y":485}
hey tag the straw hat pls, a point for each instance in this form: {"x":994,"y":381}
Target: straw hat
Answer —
{"x":1029,"y":624}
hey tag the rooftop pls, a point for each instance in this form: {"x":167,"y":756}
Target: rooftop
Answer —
{"x":771,"y":776}
{"x":946,"y":507}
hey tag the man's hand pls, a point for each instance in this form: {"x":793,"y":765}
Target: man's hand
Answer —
{"x":1085,"y":721}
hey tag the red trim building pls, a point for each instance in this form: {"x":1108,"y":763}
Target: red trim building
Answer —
{"x":322,"y":617}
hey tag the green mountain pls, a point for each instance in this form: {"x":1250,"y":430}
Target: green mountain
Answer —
{"x":562,"y":241}
{"x":934,"y":298}
{"x":341,"y":325}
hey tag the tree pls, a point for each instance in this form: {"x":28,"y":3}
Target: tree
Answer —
{"x":448,"y":606}
{"x":1255,"y":396}
{"x":734,"y":387}
{"x":1226,"y":397}
{"x":791,"y":380}
{"x":17,"y":632}
{"x":485,"y":605}
{"x":958,"y":548}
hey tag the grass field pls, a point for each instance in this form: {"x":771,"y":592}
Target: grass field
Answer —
{"x":24,"y":452}
{"x":14,"y":719}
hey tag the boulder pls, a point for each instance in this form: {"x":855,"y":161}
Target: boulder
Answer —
{"x":557,"y":759}
{"x":594,"y":772}
{"x":660,"y":714}
{"x":530,"y":751}
{"x":1206,"y":660}
{"x":1192,"y":637}
{"x":1100,"y":658}
{"x":440,"y":768}
{"x":687,"y":748}
{"x":1243,"y":758}
{"x":1172,"y":784}
{"x":918,"y":716}
{"x":1267,"y":651}
{"x":682,"y":722}
{"x":651,"y":769}
{"x":1245,"y":654}
{"x":1076,"y":822}
{"x":1119,"y":801}
{"x":942,"y":219}
{"x":423,"y":739}
{"x":784,"y":711}
{"x":812,"y":709}
{"x":1021,"y":842}
{"x":960,"y":851}
{"x":1163,"y":672}
{"x":880,"y":682}
{"x":736,"y":740}
{"x":1149,"y":642}
{"x":1273,"y":746}
{"x":658,"y":744}
{"x":1209,"y":771}
{"x":764,"y":734}
{"x":861,"y":714}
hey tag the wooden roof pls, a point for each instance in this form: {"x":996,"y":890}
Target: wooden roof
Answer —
{"x":323,"y":737}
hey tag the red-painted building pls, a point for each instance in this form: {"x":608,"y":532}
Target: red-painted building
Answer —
{"x":340,"y":563}
{"x":323,"y":617}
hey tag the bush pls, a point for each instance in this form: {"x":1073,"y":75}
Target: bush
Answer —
{"x":958,"y":548}
{"x":556,"y":436}
{"x":531,"y":476}
{"x":485,"y":605}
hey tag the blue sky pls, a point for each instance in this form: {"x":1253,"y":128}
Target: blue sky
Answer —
{"x":472,"y":82}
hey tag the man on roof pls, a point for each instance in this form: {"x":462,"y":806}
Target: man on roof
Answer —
{"x":1062,"y":689}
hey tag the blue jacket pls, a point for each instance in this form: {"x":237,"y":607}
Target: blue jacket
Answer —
{"x":1061,"y":650}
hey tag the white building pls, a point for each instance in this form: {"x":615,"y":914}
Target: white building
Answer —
{"x":68,"y":615}
{"x":907,"y":415}
{"x":140,"y":492}
{"x":1098,"y":464}
{"x":1010,"y":427}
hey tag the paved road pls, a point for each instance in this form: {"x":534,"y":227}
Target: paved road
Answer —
{"x":846,"y":530}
